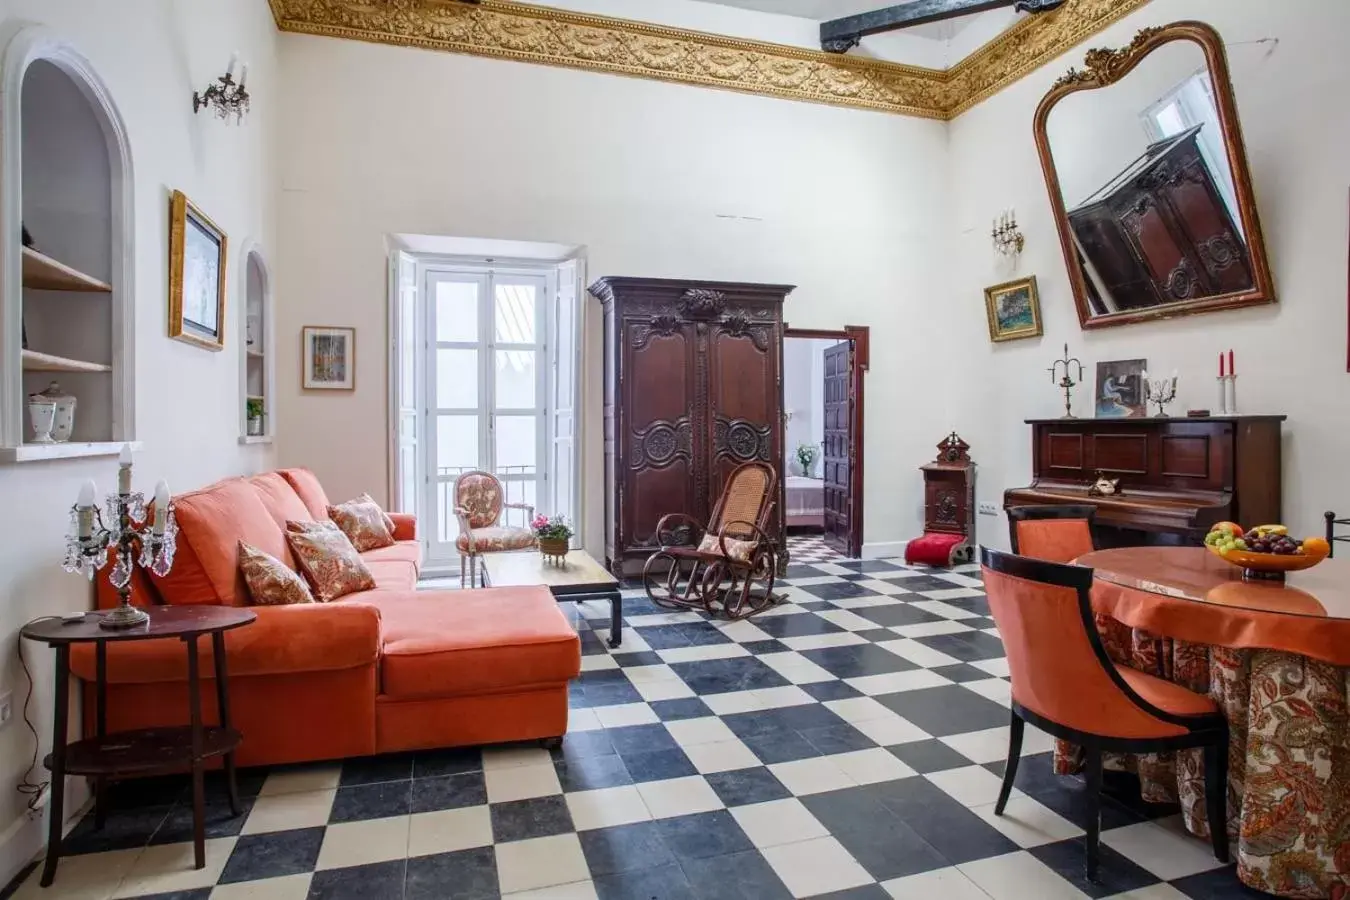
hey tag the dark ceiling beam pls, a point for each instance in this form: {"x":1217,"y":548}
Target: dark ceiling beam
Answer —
{"x":842,"y":35}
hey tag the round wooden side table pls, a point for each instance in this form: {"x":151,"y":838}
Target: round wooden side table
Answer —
{"x":147,"y":751}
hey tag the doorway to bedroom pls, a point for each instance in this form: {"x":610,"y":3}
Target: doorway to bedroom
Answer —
{"x":822,"y":403}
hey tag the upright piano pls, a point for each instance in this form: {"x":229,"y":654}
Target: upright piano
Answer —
{"x":1178,"y":477}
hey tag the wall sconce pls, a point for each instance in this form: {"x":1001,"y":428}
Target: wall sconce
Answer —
{"x":225,"y":96}
{"x":1008,"y":239}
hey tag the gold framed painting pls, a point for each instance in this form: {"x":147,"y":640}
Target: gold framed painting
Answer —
{"x":328,"y":358}
{"x":1014,"y":310}
{"x":197,"y":254}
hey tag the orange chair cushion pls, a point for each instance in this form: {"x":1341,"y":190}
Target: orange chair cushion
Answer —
{"x":306,"y":485}
{"x":211,"y":523}
{"x":453,"y":643}
{"x":1054,"y":670}
{"x":1055,"y":540}
{"x":1165,"y":695}
{"x":304,"y":637}
{"x":280,"y":498}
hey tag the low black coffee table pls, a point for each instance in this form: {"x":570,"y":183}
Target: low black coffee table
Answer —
{"x":577,"y":577}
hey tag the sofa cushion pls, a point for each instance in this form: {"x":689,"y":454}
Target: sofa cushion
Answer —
{"x":311,"y":493}
{"x":211,"y":523}
{"x":280,"y":498}
{"x":271,"y":582}
{"x":452,"y":643}
{"x":364,"y":523}
{"x":404,"y":551}
{"x":392,"y":574}
{"x":330,"y":563}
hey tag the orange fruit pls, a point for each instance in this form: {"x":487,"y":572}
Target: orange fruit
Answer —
{"x":1316,"y":546}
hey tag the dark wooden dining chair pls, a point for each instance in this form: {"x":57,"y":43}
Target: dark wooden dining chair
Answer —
{"x":1332,"y":536}
{"x":1064,"y":683}
{"x":1054,"y":533}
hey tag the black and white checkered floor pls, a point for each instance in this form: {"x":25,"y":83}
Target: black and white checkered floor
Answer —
{"x":848,"y":743}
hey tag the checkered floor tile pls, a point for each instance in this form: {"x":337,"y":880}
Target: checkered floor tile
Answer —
{"x":848,"y":743}
{"x":811,"y":548}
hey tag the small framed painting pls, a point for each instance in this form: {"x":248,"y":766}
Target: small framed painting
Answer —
{"x":197,"y":250}
{"x":1014,"y":310}
{"x":329,"y":358}
{"x":1120,"y":389}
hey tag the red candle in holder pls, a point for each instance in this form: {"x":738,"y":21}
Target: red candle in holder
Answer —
{"x":1220,"y":363}
{"x":1232,"y":367}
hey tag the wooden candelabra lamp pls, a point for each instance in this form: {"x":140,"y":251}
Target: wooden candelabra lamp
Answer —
{"x":949,"y":507}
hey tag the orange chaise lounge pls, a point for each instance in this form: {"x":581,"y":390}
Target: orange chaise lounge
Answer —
{"x":379,"y":671}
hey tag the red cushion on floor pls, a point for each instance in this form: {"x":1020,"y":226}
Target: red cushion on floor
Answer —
{"x":933,"y":549}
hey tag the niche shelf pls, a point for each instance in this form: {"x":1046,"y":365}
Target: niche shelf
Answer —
{"x":34,"y":361}
{"x":256,"y":376}
{"x":42,"y":273}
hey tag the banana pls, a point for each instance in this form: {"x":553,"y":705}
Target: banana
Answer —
{"x":1272,"y":529}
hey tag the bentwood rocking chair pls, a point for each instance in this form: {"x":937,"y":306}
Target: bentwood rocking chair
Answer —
{"x":727,"y":567}
{"x":479,"y":504}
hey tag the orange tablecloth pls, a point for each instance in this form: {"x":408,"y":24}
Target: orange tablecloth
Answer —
{"x":1280,"y":681}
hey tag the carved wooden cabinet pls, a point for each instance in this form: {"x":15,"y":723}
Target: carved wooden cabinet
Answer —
{"x":1160,"y":232}
{"x":693,"y":388}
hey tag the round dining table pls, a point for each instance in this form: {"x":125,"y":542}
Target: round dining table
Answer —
{"x":1275,"y":657}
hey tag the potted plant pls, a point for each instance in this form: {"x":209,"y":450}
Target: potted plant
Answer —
{"x":553,"y":535}
{"x":253,"y":414}
{"x":806,"y":458}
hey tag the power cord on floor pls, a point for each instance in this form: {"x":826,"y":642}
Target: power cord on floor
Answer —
{"x":33,"y":790}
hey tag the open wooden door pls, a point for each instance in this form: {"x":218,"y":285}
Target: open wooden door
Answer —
{"x":838,"y":447}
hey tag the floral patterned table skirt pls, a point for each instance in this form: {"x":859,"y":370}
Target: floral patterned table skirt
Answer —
{"x":1289,"y":758}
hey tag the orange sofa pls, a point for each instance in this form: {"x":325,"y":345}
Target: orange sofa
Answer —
{"x":383,"y":670}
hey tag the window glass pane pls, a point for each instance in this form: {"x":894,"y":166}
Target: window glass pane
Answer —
{"x":515,"y":379}
{"x":456,"y":379}
{"x":515,"y":313}
{"x":456,"y":444}
{"x":517,"y":492}
{"x":516,"y":441}
{"x":456,"y":311}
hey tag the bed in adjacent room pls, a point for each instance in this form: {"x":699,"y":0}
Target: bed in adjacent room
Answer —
{"x":805,"y":503}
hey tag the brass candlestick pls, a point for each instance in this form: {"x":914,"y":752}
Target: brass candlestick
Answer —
{"x":1066,"y":382}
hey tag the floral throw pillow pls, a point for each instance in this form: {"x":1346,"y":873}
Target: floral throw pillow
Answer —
{"x":363,"y":522}
{"x":330,"y":562}
{"x":269,"y":581}
{"x":740,"y":550}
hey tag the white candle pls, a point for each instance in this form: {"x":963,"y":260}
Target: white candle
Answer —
{"x":243,"y":75}
{"x":124,"y":470}
{"x":84,"y":508}
{"x":234,"y":61}
{"x":161,"y":506}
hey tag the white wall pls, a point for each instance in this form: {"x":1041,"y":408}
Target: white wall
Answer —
{"x":1290,"y":96}
{"x":151,"y":54}
{"x":846,"y":204}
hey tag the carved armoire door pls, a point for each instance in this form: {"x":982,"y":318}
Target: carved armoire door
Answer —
{"x":659,"y":368}
{"x":744,"y":401}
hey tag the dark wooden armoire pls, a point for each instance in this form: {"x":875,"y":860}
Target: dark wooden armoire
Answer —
{"x":693,"y":388}
{"x":1160,"y":232}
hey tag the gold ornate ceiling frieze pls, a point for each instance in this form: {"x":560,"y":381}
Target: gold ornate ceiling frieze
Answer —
{"x":540,"y":34}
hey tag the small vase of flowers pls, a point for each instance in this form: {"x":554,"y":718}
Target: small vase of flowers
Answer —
{"x":553,"y":535}
{"x":806,"y":458}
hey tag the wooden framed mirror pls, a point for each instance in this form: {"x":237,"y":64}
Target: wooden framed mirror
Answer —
{"x":1147,"y":173}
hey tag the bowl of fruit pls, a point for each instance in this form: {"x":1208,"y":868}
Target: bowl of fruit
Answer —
{"x":1265,"y":552}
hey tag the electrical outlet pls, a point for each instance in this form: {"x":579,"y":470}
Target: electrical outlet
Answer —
{"x":988,"y":509}
{"x":6,"y":708}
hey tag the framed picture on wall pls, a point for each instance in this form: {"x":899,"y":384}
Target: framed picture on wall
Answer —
{"x":197,"y":252}
{"x":1014,"y":310}
{"x":329,"y":358}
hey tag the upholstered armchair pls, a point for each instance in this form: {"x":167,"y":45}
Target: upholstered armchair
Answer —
{"x":479,"y":505}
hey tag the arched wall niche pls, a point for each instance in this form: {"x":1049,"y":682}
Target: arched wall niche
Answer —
{"x":257,"y":318}
{"x":65,"y":172}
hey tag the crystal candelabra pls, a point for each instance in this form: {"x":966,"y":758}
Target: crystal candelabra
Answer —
{"x":1066,"y":383}
{"x":138,"y":540}
{"x":225,"y":96}
{"x":1160,"y":392}
{"x":1008,"y":239}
